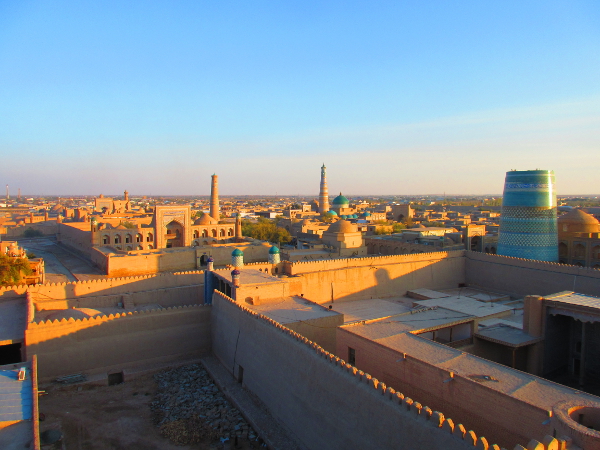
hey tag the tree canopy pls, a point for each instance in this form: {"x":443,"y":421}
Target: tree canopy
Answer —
{"x":265,"y":230}
{"x":12,"y":269}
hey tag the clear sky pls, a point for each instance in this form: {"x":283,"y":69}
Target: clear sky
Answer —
{"x":395,"y":97}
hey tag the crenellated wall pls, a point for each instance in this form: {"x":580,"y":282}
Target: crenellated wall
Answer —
{"x":324,"y":401}
{"x":165,"y":289}
{"x":374,"y":277}
{"x":528,"y":277}
{"x":119,"y":342}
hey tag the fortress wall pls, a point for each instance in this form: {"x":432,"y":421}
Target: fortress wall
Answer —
{"x":167,"y":289}
{"x":149,"y":263}
{"x":378,"y":277}
{"x":528,"y":277}
{"x":324,"y":401}
{"x":75,"y":238}
{"x":8,"y":292}
{"x":119,"y":342}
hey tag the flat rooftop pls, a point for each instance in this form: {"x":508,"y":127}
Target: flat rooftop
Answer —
{"x":466,"y":305}
{"x":412,"y":322}
{"x":13,"y":315}
{"x":249,"y":276}
{"x":292,"y":309}
{"x":506,"y":335}
{"x":528,"y":388}
{"x":368,"y":309}
{"x":574,"y":299}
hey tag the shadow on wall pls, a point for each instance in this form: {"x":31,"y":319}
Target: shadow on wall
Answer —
{"x":173,"y":289}
{"x":379,"y":280}
{"x":109,"y":343}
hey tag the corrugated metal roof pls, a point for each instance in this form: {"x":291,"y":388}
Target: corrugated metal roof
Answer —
{"x":573,"y":298}
{"x":16,"y":397}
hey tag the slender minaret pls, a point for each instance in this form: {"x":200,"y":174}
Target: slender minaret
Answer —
{"x":238,"y":228}
{"x":214,"y":197}
{"x":7,"y":194}
{"x":323,"y":194}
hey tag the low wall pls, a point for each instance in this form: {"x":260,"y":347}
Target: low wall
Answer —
{"x":324,"y":401}
{"x":119,"y":342}
{"x":527,"y":277}
{"x":502,"y":418}
{"x":167,"y":289}
{"x":374,"y":277}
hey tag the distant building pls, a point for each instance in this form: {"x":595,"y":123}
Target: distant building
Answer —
{"x":579,"y":239}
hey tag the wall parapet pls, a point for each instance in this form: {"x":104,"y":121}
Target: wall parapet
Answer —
{"x":105,"y":318}
{"x":531,"y":263}
{"x":421,"y":412}
{"x":299,"y":267}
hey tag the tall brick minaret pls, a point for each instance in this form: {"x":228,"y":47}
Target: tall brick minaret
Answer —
{"x":323,"y":194}
{"x":214,"y":197}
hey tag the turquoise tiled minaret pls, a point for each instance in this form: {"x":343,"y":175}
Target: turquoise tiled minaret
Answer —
{"x":528,"y":227}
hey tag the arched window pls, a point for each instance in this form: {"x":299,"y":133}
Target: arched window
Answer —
{"x":596,"y":252}
{"x":493,"y":250}
{"x":196,"y":234}
{"x":117,"y":238}
{"x":204,"y":233}
{"x":230,"y":232}
{"x":563,"y":250}
{"x":150,"y":247}
{"x":214,"y":232}
{"x":139,"y":238}
{"x":129,"y":248}
{"x":579,"y":251}
{"x":204,"y":242}
{"x":139,"y":247}
{"x":128,"y":239}
{"x":150,"y":238}
{"x":222,"y":232}
{"x":105,"y":239}
{"x":196,"y":243}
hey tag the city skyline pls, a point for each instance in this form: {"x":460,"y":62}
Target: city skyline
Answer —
{"x":395,"y":99}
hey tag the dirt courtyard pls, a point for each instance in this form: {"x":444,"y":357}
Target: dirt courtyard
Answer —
{"x":110,"y":417}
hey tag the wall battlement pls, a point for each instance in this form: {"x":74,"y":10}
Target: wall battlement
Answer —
{"x":423,"y":414}
{"x":298,"y":267}
{"x":104,"y":318}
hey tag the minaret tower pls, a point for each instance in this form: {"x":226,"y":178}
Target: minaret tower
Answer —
{"x":214,"y":197}
{"x":323,"y":194}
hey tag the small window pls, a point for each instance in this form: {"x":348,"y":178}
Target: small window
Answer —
{"x":351,"y":356}
{"x":115,"y":378}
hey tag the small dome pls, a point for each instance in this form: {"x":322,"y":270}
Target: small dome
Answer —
{"x":342,"y":226}
{"x":206,"y":219}
{"x":273,"y":250}
{"x":305,"y":222}
{"x":332,"y":213}
{"x":57,"y":207}
{"x":340,"y":200}
{"x":344,"y":216}
{"x":237,"y":252}
{"x":210,"y":259}
{"x":366,"y":214}
{"x":235,"y":272}
{"x":577,"y":221}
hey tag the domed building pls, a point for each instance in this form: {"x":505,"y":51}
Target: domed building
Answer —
{"x":579,"y":239}
{"x":344,"y":238}
{"x":341,"y":206}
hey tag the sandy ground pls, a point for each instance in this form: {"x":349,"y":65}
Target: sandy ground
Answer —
{"x":109,"y":417}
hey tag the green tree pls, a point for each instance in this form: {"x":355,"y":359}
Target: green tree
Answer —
{"x":12,"y":269}
{"x":31,"y":233}
{"x":265,"y":230}
{"x":398,"y":227}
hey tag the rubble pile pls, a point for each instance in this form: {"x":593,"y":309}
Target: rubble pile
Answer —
{"x":189,"y":408}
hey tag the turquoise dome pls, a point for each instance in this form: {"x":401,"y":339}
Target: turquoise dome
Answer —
{"x":340,"y":200}
{"x":332,"y":213}
{"x":273,"y":250}
{"x":237,"y":252}
{"x":344,"y":216}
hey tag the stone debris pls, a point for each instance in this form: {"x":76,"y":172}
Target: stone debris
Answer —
{"x":189,"y":408}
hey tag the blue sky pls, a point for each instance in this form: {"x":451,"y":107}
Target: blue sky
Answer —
{"x":398,"y":97}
